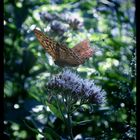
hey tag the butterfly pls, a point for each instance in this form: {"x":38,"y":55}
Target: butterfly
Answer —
{"x":62,"y":55}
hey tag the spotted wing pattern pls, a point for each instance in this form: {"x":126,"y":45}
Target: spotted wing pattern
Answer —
{"x":47,"y":43}
{"x":62,"y":55}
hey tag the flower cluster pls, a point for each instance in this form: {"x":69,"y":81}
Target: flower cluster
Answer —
{"x":82,"y":88}
{"x":64,"y":20}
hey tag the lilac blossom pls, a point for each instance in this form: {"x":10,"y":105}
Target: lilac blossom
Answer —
{"x":82,"y":88}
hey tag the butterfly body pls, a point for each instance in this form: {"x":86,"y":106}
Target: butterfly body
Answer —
{"x":62,"y":55}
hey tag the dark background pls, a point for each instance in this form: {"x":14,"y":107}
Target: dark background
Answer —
{"x":110,"y":27}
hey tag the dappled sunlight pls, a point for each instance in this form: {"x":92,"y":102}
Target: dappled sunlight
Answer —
{"x":55,"y":89}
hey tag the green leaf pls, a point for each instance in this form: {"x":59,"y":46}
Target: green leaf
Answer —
{"x":55,"y":111}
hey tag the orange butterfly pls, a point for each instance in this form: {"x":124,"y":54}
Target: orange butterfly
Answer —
{"x":62,"y":55}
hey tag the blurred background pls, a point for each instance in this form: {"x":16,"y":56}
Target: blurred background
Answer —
{"x":110,"y":27}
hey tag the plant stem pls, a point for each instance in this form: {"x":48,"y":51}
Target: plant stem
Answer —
{"x":70,"y":126}
{"x":69,"y":118}
{"x":67,"y":106}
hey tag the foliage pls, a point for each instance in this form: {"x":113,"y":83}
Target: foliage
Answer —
{"x":110,"y":27}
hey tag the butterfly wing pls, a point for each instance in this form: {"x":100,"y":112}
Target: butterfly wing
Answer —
{"x":62,"y":55}
{"x":83,"y":49}
{"x":67,"y":57}
{"x":47,"y":43}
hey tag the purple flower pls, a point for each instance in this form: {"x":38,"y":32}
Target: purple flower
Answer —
{"x":83,"y":89}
